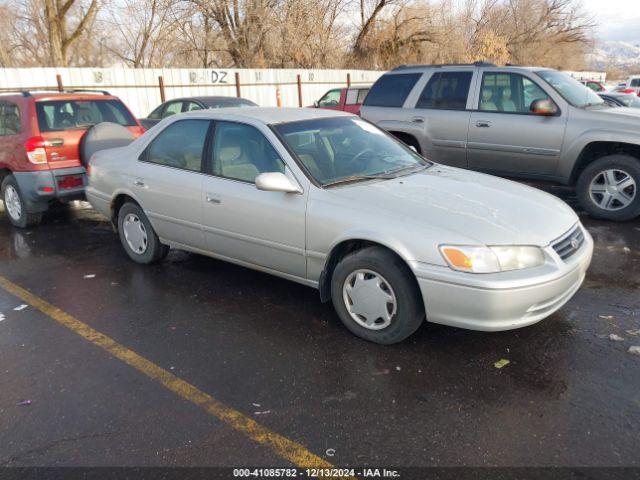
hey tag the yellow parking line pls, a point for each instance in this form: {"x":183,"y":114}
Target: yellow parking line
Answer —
{"x":283,"y":447}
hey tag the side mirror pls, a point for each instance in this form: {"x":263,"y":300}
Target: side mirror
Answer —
{"x":316,"y":104}
{"x":544,"y":107}
{"x":276,"y":182}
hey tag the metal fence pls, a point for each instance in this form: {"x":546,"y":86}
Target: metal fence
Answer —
{"x":143,"y":89}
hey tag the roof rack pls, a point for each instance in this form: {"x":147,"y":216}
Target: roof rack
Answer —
{"x":86,"y":90}
{"x":440,"y":65}
{"x":29,"y":93}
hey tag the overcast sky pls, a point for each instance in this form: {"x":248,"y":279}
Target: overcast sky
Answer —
{"x":618,"y":19}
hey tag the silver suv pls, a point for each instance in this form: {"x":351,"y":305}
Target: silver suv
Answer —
{"x":525,"y":122}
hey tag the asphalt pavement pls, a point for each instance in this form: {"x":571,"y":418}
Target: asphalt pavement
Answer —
{"x":267,"y":350}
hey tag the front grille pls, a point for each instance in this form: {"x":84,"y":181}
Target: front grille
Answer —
{"x":570,"y":243}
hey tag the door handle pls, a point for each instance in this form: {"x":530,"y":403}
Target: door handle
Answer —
{"x":138,"y":183}
{"x":56,"y":142}
{"x":213,"y":200}
{"x":417,"y":119}
{"x":483,"y":123}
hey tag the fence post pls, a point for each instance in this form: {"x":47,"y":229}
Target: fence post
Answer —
{"x":348,"y":79}
{"x":161,"y":85}
{"x":299,"y":80}
{"x":238,"y":84}
{"x":59,"y":82}
{"x":278,"y":96}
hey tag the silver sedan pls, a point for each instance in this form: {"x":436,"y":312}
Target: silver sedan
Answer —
{"x":328,"y":200}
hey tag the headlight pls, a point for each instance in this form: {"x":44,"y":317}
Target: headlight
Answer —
{"x":491,"y":259}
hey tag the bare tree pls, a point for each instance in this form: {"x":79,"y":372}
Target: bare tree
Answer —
{"x":293,"y":33}
{"x":243,"y":25}
{"x":147,"y":31}
{"x":61,"y":36}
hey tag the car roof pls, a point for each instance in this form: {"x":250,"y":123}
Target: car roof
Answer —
{"x":212,"y":99}
{"x":462,"y":66}
{"x":40,"y":96}
{"x":267,"y":115}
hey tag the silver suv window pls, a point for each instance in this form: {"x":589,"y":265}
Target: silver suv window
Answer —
{"x":508,"y":93}
{"x":391,"y":90}
{"x":446,"y":91}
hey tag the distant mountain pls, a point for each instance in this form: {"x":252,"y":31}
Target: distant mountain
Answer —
{"x":622,"y":55}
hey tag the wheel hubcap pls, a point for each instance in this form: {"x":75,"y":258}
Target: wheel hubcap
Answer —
{"x":612,"y":189}
{"x":369,"y":298}
{"x":12,"y":202}
{"x":135,"y":233}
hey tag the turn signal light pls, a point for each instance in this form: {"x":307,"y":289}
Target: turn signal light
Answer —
{"x":457,"y":258}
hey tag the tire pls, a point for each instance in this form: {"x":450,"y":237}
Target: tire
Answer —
{"x":396,"y":280}
{"x":591,"y":181}
{"x":140,"y":234}
{"x":15,"y":207}
{"x":409,"y":141}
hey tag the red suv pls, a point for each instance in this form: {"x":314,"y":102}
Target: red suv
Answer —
{"x":346,"y":99}
{"x":40,"y":144}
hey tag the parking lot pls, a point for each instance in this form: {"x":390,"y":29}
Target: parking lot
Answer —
{"x":200,"y":348}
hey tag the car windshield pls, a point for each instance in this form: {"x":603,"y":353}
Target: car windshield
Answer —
{"x":570,"y":89}
{"x":344,"y":149}
{"x":629,"y":100}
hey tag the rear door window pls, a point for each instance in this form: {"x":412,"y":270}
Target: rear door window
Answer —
{"x":391,"y":90}
{"x":446,"y":91}
{"x":171,"y":109}
{"x":180,"y":145}
{"x":61,"y":115}
{"x":635,"y":82}
{"x":9,"y":119}
{"x":352,"y":97}
{"x":191,"y":106}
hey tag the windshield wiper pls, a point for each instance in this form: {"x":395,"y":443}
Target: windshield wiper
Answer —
{"x":357,"y":178}
{"x":386,"y":175}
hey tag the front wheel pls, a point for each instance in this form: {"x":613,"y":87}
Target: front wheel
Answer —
{"x":376,"y":296}
{"x":15,"y":206}
{"x":608,"y":188}
{"x":138,"y":237}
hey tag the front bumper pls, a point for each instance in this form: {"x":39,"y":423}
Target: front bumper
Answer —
{"x":502,"y":301}
{"x":33,"y":186}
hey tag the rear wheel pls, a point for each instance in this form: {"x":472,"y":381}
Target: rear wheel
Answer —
{"x":15,"y":206}
{"x":376,"y":296}
{"x":138,"y":237}
{"x":608,"y":188}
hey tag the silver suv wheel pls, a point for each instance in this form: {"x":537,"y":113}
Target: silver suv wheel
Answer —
{"x":612,"y":189}
{"x":369,"y":299}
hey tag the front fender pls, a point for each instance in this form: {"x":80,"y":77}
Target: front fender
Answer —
{"x":579,"y":143}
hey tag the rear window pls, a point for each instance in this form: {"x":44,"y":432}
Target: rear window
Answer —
{"x":60,"y":115}
{"x":391,"y":90}
{"x":635,"y":82}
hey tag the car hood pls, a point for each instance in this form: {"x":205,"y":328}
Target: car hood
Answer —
{"x":619,"y":113}
{"x":470,"y":206}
